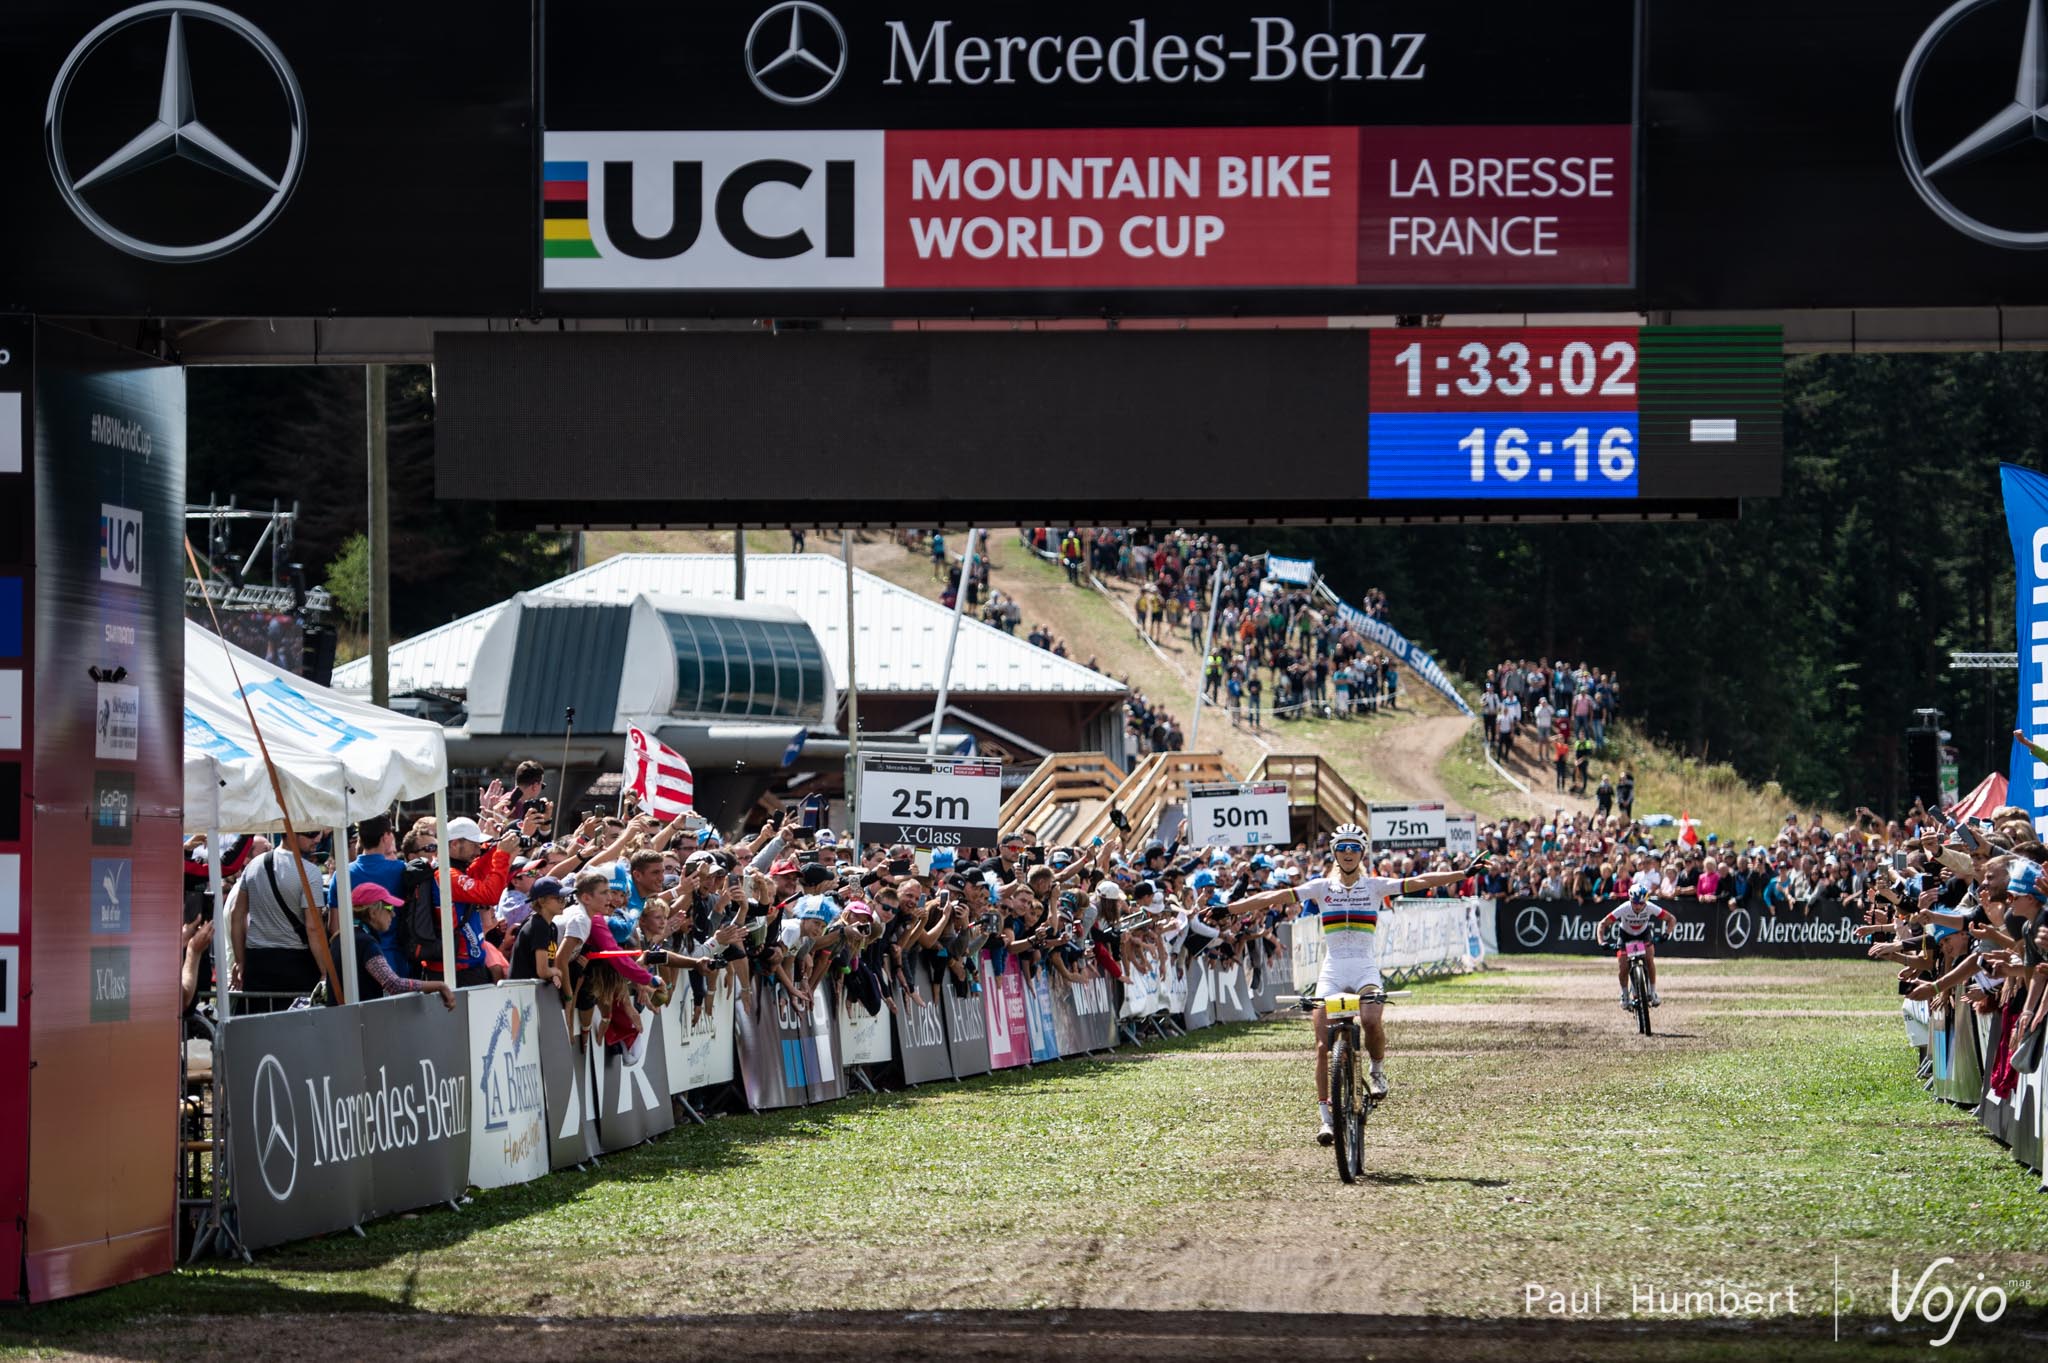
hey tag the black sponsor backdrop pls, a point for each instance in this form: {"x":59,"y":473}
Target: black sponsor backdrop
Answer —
{"x":1714,"y":930}
{"x":272,"y":1132}
{"x":887,"y":426}
{"x":1772,"y":175}
{"x":418,"y":193}
{"x":653,"y":64}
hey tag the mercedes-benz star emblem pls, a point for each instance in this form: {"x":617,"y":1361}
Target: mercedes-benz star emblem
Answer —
{"x":1737,"y":929}
{"x":177,"y":131}
{"x":276,"y":1124}
{"x":798,"y":61}
{"x":1532,"y":925}
{"x":2023,"y":119}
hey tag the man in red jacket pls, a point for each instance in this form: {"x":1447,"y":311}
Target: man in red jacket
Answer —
{"x":478,"y":874}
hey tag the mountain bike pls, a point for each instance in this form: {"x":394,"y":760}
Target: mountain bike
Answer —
{"x":1351,"y":1097}
{"x":1637,"y":950}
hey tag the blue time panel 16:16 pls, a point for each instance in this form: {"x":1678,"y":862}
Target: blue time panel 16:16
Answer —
{"x":1438,"y":455}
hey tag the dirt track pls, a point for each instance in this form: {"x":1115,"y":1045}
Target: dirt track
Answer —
{"x":1465,"y":1201}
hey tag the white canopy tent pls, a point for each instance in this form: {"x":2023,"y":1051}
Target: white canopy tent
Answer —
{"x":337,"y":760}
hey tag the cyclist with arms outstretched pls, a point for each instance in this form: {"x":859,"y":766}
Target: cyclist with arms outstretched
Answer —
{"x":1350,"y":902}
{"x":1633,"y":920}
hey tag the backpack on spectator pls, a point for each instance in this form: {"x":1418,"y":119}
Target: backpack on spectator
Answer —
{"x":418,"y":921}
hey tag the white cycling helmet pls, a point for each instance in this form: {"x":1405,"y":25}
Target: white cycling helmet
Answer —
{"x":1348,"y":833}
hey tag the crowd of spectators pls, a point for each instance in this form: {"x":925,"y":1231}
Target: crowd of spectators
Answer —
{"x":1561,"y":711}
{"x":1965,"y":919}
{"x":1279,"y":650}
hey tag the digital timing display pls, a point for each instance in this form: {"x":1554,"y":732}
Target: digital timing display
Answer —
{"x":1574,"y":413}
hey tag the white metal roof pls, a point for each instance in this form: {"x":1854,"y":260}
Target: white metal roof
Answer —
{"x":900,"y":642}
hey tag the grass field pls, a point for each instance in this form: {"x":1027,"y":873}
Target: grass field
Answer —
{"x":1770,"y":1137}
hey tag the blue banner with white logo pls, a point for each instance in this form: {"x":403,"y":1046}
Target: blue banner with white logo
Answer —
{"x":1301,"y":571}
{"x":2026,"y":521}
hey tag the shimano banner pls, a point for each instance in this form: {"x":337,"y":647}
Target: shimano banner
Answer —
{"x":2026,"y":523}
{"x":1299,"y":571}
{"x":1393,"y":641}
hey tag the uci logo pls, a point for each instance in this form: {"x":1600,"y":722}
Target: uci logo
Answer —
{"x":120,"y":545}
{"x":685,"y":210}
{"x":715,"y":210}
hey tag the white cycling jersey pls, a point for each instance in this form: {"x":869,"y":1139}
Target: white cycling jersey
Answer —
{"x":1350,"y":914}
{"x":1636,"y":919}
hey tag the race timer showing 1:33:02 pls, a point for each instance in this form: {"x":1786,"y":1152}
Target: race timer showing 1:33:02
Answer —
{"x":1572,"y":413}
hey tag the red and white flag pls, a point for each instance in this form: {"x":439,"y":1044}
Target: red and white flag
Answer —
{"x":1688,"y":829}
{"x":659,"y":775}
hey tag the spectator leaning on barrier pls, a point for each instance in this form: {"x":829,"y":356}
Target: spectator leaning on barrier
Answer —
{"x":375,"y":979}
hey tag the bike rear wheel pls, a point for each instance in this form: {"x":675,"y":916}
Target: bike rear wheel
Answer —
{"x":1344,"y":1102}
{"x":1639,"y":982}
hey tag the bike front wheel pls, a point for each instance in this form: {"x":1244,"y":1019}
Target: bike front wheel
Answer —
{"x":1639,"y":980}
{"x":1344,"y":1114}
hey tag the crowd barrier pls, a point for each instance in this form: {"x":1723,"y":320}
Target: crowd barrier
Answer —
{"x":1718,"y":930}
{"x":1418,"y":938}
{"x":1961,"y":1047}
{"x":335,"y":1116}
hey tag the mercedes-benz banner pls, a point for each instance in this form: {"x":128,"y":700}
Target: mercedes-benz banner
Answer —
{"x":1718,"y":929}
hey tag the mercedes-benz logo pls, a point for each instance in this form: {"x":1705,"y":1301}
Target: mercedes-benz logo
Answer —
{"x":1532,"y":926}
{"x":276,"y":1123}
{"x":1736,"y":929}
{"x":2023,"y":119}
{"x":176,"y":132}
{"x":798,"y":62}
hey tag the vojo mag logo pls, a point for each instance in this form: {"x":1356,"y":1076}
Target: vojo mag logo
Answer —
{"x":2022,"y":119}
{"x":177,"y":133}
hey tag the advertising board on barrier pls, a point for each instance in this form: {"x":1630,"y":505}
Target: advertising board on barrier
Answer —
{"x":1002,"y":996}
{"x":920,"y":1028}
{"x":770,"y":1048}
{"x":700,"y":1039}
{"x":1718,"y":929}
{"x":1038,"y":1016}
{"x":1238,"y":814}
{"x":631,"y":1089}
{"x":966,"y":1029}
{"x":339,"y":1114}
{"x":1231,"y":991}
{"x":299,"y":1128}
{"x":1199,"y":1003}
{"x":508,"y":1140}
{"x":863,"y":1036}
{"x":572,"y":1107}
